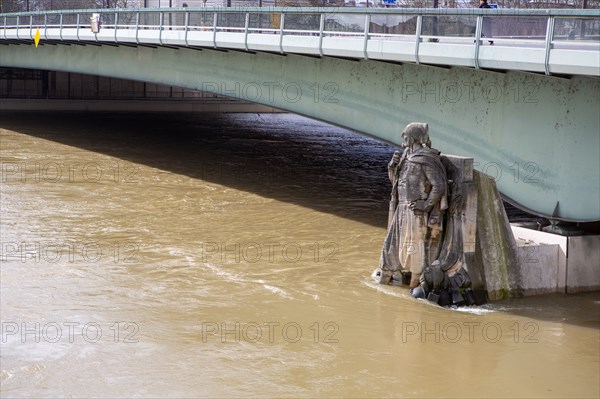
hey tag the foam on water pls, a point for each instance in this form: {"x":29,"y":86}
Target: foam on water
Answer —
{"x":277,"y":291}
{"x":405,"y":294}
{"x":238,"y":278}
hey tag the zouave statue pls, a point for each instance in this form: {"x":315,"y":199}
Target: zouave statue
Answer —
{"x":423,"y":247}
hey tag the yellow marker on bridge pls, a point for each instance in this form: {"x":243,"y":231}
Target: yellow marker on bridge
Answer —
{"x":36,"y":38}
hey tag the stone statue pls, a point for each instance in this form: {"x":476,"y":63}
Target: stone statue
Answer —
{"x":423,"y":246}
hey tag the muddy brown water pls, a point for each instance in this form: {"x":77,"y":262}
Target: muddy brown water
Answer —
{"x":230,"y":256}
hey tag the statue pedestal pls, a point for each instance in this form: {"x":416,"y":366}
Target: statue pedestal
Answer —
{"x":490,"y":249}
{"x":472,"y":264}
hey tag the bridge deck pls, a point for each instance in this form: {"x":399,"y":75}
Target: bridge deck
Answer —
{"x":438,"y":36}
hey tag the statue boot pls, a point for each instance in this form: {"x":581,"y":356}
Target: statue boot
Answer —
{"x":406,"y":275}
{"x":469,"y":297}
{"x":457,"y":298}
{"x":414,"y":280}
{"x":383,"y":276}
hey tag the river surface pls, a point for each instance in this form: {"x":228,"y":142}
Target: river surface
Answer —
{"x":230,"y":256}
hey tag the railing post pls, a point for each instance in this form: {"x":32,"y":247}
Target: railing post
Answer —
{"x":281,"y":22}
{"x":549,"y":37}
{"x":78,"y":21}
{"x":160,"y":27}
{"x":367,"y":29}
{"x":61,"y":26}
{"x":478,"y":27}
{"x":18,"y":21}
{"x":46,"y":26}
{"x":246,"y":23}
{"x":137,"y":27}
{"x":96,"y":34}
{"x":4,"y":28}
{"x":321,"y":29}
{"x":187,"y":23}
{"x":215,"y":16}
{"x":31,"y":27}
{"x":418,"y":37}
{"x":116,"y":24}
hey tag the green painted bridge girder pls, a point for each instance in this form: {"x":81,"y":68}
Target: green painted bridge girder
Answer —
{"x":539,"y":136}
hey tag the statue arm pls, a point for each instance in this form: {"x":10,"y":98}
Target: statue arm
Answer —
{"x":438,"y":189}
{"x":393,"y":166}
{"x":438,"y":186}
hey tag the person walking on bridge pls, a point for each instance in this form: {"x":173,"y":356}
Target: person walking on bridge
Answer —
{"x":486,"y":29}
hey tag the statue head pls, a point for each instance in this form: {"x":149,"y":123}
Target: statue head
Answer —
{"x":416,"y":134}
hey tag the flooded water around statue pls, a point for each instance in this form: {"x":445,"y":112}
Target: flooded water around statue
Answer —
{"x":230,"y":256}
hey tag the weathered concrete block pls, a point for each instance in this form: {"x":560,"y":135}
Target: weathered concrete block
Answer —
{"x":541,"y":238}
{"x":496,"y":245}
{"x":538,"y":267}
{"x":577,"y":262}
{"x":583,"y":263}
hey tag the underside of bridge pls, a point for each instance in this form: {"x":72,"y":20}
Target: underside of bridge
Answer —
{"x":539,"y":136}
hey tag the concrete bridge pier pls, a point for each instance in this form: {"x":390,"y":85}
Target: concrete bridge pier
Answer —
{"x":507,"y":261}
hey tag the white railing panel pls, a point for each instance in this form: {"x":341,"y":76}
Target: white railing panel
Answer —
{"x":263,"y":42}
{"x":569,"y":61}
{"x":391,"y":50}
{"x":343,"y":47}
{"x":203,"y":38}
{"x":496,"y":57}
{"x":301,"y":44}
{"x":230,"y":40}
{"x":446,"y":54}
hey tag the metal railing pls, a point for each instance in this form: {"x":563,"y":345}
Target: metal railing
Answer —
{"x":531,"y":28}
